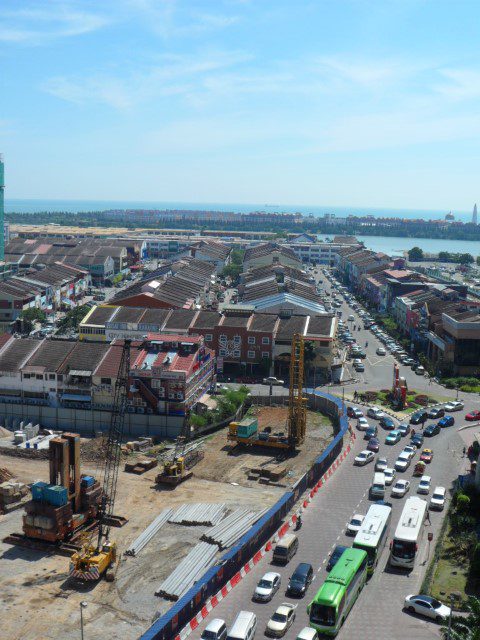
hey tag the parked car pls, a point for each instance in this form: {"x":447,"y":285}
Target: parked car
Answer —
{"x":373,"y":445}
{"x":353,"y":527}
{"x":424,"y":484}
{"x":215,"y":630}
{"x":359,"y":368}
{"x":420,"y":371}
{"x":417,"y":439}
{"x":393,"y":437}
{"x":431,"y":430}
{"x":404,"y":429}
{"x":473,"y":416}
{"x":455,"y":405}
{"x":381,"y":351}
{"x":411,"y":449}
{"x":419,"y":417}
{"x":267,"y":587}
{"x":400,"y":488}
{"x":281,"y":621}
{"x":273,"y":381}
{"x":426,"y":456}
{"x":307,"y":633}
{"x":436,"y":413}
{"x":428,"y":607}
{"x":363,"y":458}
{"x":335,"y":556}
{"x":437,"y":501}
{"x":381,"y":464}
{"x":446,"y":421}
{"x":300,"y":580}
{"x":390,"y":475}
{"x":371,"y":432}
{"x":387,"y":423}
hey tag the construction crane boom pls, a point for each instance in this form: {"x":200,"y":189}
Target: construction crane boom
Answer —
{"x":297,"y":405}
{"x":114,"y":441}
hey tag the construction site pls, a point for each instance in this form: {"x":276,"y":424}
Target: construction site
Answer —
{"x":127,"y":532}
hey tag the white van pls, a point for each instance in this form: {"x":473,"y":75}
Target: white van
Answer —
{"x":377,"y":490}
{"x":285,"y":549}
{"x":244,"y":626}
{"x":215,"y":630}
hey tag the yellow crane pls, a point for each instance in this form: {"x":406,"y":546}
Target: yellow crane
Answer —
{"x":297,"y":404}
{"x":96,"y":560}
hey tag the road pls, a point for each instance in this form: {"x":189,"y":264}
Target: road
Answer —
{"x":378,"y":612}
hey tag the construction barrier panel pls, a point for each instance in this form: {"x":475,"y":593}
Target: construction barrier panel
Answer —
{"x":220,"y":579}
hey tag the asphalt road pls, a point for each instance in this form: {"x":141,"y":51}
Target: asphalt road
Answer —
{"x":378,"y":613}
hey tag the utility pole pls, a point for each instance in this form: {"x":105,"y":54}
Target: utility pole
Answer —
{"x":83,"y":605}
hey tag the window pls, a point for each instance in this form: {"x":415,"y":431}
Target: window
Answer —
{"x":237,"y":340}
{"x":251,"y":339}
{"x":171,"y":395}
{"x":51,"y":376}
{"x":236,"y":353}
{"x":265,"y":354}
{"x":223,"y":339}
{"x":26,"y":375}
{"x":250,"y":354}
{"x":180,"y":395}
{"x":222,"y":352}
{"x":106,"y":380}
{"x":208,"y":337}
{"x":60,"y":378}
{"x":161,"y":391}
{"x":265,"y":340}
{"x":39,"y":376}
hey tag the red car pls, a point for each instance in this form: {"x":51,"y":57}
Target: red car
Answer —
{"x":473,"y":416}
{"x":427,"y":455}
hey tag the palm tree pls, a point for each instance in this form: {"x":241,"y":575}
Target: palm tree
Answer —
{"x":466,"y":628}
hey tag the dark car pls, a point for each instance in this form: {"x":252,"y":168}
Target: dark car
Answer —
{"x":373,"y":445}
{"x":335,"y":556}
{"x":404,"y":429}
{"x":436,"y":413}
{"x":431,"y":430}
{"x":300,"y":580}
{"x":371,"y":432}
{"x":419,"y":417}
{"x":417,"y":440}
{"x":446,"y":421}
{"x":387,"y":423}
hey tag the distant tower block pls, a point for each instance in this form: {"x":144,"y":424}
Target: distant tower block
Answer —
{"x":474,"y":215}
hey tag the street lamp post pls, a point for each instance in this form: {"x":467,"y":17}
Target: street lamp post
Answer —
{"x":452,"y":600}
{"x":83,"y":605}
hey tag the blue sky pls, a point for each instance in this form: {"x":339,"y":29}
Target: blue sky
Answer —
{"x":364,"y":102}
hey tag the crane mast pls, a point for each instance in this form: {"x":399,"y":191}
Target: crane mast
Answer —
{"x":297,"y":404}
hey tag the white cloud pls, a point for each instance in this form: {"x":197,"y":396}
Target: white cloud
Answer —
{"x":461,"y":84}
{"x":32,"y":25}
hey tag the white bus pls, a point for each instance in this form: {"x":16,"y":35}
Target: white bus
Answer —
{"x":373,"y":533}
{"x":409,"y":532}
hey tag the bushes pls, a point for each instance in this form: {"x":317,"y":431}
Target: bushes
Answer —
{"x":422,"y":399}
{"x":475,"y":562}
{"x":227,"y":404}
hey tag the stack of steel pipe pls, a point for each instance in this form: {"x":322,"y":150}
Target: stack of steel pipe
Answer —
{"x":145,"y":537}
{"x":196,"y":514}
{"x":200,"y":558}
{"x":231,"y":528}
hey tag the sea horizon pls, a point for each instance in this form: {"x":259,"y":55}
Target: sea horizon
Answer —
{"x":39,"y":205}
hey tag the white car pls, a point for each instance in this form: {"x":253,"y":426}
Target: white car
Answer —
{"x":390,"y":475}
{"x":455,"y":405}
{"x":267,"y":587}
{"x":400,"y":488}
{"x":362,"y":424}
{"x":437,"y":501}
{"x":411,"y":449}
{"x":381,"y":351}
{"x":428,"y":607}
{"x":375,"y":413}
{"x":424,"y":484}
{"x":403,"y":462}
{"x":354,"y":525}
{"x":281,"y":621}
{"x":364,"y":457}
{"x":381,"y":464}
{"x":307,"y":633}
{"x":273,"y":381}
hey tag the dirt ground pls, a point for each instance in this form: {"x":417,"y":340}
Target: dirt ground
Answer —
{"x":37,"y":582}
{"x":219,"y":466}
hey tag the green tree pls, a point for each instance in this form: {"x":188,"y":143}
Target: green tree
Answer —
{"x":34,"y":315}
{"x":478,"y":260}
{"x":465,"y":258}
{"x":444,"y":256}
{"x":415,"y":254}
{"x":466,"y":628}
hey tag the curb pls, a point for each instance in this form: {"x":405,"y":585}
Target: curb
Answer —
{"x":212,"y":602}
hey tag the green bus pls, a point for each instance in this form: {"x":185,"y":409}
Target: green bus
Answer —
{"x":330,"y":607}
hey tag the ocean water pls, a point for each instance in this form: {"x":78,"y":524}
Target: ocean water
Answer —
{"x":73,"y":206}
{"x":394,"y":246}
